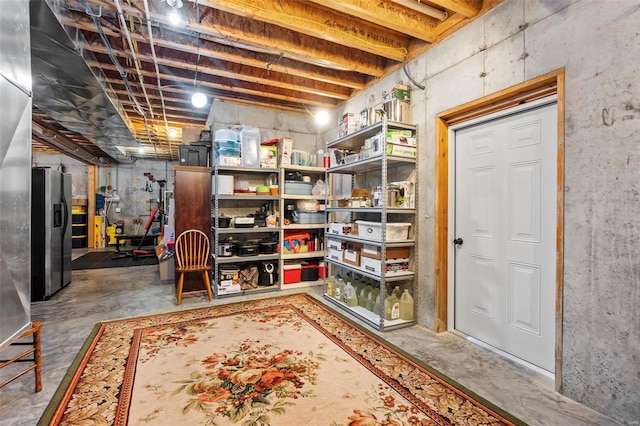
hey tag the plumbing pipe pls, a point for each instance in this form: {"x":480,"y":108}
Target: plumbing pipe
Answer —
{"x":423,"y":8}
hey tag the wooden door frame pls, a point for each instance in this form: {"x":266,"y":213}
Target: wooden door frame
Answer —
{"x":537,"y":88}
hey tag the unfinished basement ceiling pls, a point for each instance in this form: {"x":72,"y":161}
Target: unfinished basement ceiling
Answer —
{"x":289,"y":55}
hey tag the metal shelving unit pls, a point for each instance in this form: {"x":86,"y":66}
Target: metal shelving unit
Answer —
{"x":317,"y":255}
{"x":374,"y":168}
{"x":235,"y":205}
{"x":231,"y":204}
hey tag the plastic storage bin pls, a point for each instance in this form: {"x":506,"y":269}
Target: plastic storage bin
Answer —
{"x":296,"y":187}
{"x":300,"y":216}
{"x":191,"y":155}
{"x":373,"y":231}
{"x":225,"y":135}
{"x":250,"y":140}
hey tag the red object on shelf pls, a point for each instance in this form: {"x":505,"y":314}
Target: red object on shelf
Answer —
{"x":292,"y":274}
{"x":321,"y":271}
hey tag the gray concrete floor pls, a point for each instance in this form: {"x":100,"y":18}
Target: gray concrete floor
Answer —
{"x":104,"y":294}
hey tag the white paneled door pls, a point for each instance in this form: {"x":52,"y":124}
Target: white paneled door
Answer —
{"x":505,"y":233}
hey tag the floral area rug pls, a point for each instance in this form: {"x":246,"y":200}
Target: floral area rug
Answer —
{"x":282,"y":361}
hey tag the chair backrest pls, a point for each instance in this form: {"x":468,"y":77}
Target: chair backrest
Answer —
{"x":192,"y":249}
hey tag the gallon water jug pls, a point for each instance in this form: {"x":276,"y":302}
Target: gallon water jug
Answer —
{"x":362,"y":296}
{"x":250,"y":141}
{"x":351,"y":298}
{"x":406,"y":306}
{"x":391,"y":307}
{"x":371,"y":299}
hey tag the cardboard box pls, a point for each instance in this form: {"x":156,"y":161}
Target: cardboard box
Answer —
{"x":335,"y":255}
{"x":229,"y":289}
{"x":374,"y":252}
{"x":79,"y":201}
{"x":373,"y":145}
{"x":391,"y":265}
{"x":399,"y":91}
{"x":268,"y":156}
{"x":348,"y":124}
{"x":401,"y":137}
{"x":340,"y":228}
{"x":166,"y":262}
{"x":401,"y":150}
{"x":351,"y":256}
{"x":335,"y":244}
{"x":406,"y":194}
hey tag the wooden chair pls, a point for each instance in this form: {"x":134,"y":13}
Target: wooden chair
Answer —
{"x":192,"y":255}
{"x":34,"y":331}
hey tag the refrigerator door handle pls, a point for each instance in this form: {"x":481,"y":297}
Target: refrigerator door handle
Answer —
{"x":65,"y":214}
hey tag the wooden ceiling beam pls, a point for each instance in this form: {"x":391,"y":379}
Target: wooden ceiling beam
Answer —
{"x":253,"y":90}
{"x":323,"y":24}
{"x":253,"y":75}
{"x":212,"y":50}
{"x":467,"y":8}
{"x":234,"y":29}
{"x":388,"y":14}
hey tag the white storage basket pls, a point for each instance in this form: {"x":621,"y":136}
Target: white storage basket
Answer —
{"x":373,"y":231}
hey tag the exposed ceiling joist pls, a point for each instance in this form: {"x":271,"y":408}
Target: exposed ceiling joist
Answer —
{"x":289,"y":55}
{"x":389,"y":15}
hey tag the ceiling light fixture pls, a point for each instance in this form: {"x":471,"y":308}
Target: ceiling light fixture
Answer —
{"x":198,"y":99}
{"x":174,"y":18}
{"x":322,"y":117}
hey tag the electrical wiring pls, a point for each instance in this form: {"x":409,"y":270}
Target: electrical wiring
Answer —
{"x":123,"y":24}
{"x":155,"y":63}
{"x":111,"y":55}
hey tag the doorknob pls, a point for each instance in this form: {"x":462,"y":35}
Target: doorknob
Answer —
{"x":458,"y":241}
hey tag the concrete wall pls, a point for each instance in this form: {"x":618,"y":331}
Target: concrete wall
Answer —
{"x":598,"y":44}
{"x":138,"y":195}
{"x":271,"y":123}
{"x":75,"y":168}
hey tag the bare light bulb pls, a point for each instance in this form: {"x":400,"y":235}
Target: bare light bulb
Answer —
{"x":174,"y":18}
{"x":198,"y":100}
{"x":322,"y":117}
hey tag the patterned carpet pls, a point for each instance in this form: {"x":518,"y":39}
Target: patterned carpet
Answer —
{"x":280,"y":361}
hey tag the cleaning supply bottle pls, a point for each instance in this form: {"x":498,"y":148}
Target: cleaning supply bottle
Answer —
{"x":331,"y":286}
{"x":392,"y":307}
{"x":339,"y":291}
{"x":406,"y":306}
{"x":351,"y":298}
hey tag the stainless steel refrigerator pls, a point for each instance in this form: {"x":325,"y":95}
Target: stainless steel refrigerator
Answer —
{"x":50,"y":232}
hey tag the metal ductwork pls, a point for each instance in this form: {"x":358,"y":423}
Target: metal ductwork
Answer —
{"x":68,"y":90}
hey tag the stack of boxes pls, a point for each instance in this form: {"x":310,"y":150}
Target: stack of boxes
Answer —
{"x":368,"y":256}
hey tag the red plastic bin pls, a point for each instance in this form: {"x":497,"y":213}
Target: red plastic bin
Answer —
{"x":292,"y":273}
